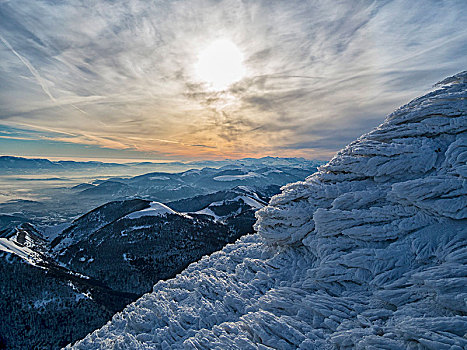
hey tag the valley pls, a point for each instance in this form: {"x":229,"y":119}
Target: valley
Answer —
{"x":70,"y":273}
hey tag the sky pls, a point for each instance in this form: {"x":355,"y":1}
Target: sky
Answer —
{"x":198,"y":79}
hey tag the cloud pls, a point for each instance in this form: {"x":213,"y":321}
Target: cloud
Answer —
{"x":31,"y":68}
{"x":319,"y":74}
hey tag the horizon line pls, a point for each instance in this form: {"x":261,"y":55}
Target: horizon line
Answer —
{"x":140,"y":160}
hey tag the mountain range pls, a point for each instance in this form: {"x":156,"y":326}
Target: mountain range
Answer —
{"x":61,"y":282}
{"x":367,"y":253}
{"x":59,"y":204}
{"x":12,"y":164}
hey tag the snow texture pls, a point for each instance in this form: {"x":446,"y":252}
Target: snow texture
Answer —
{"x":370,"y":252}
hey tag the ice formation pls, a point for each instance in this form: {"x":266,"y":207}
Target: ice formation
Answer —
{"x":369,"y":252}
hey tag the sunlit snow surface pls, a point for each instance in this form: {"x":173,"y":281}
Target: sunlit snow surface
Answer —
{"x":236,"y":177}
{"x":25,"y":253}
{"x":370,"y":252}
{"x":155,"y":209}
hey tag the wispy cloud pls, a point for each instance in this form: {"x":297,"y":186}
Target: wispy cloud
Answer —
{"x":121,"y":74}
{"x":30,"y":67}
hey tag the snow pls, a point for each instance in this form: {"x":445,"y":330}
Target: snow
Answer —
{"x":251,"y":193}
{"x":134,"y":228}
{"x":43,"y":302}
{"x":22,"y":251}
{"x":370,"y":252}
{"x":191,"y":172}
{"x":82,"y":296}
{"x":51,"y":232}
{"x":208,"y":211}
{"x":155,"y":209}
{"x":274,"y":171}
{"x":67,"y":241}
{"x":161,"y":178}
{"x":254,"y":203}
{"x":236,"y":177}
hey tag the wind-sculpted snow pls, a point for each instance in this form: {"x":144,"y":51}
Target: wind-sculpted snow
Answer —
{"x":370,"y":252}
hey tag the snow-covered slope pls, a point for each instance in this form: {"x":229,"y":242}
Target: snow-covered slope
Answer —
{"x":224,"y":209}
{"x":370,"y":252}
{"x":25,"y":242}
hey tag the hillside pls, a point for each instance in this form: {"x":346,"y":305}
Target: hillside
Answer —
{"x":45,"y":305}
{"x":369,"y":252}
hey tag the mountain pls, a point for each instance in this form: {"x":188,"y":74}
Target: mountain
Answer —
{"x":43,"y":304}
{"x":130,"y":245}
{"x":229,"y":205}
{"x":367,"y":253}
{"x":82,"y":227}
{"x":54,"y":202}
{"x":264,"y":161}
{"x":56,"y":292}
{"x":9,"y":163}
{"x":10,"y":221}
{"x":255,"y":197}
{"x":164,"y":187}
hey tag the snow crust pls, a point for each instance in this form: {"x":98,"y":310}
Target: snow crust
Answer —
{"x":370,"y":252}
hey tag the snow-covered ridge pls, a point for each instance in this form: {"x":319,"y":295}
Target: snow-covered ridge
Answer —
{"x":24,"y":244}
{"x":155,"y":209}
{"x":251,"y":199}
{"x":25,"y":253}
{"x":236,"y":177}
{"x":370,"y":252}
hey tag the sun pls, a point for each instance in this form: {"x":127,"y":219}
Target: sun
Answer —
{"x":220,"y":64}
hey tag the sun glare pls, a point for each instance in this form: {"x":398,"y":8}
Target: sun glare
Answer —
{"x":220,"y":64}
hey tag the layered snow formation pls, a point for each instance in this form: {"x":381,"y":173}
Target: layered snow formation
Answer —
{"x":370,"y":252}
